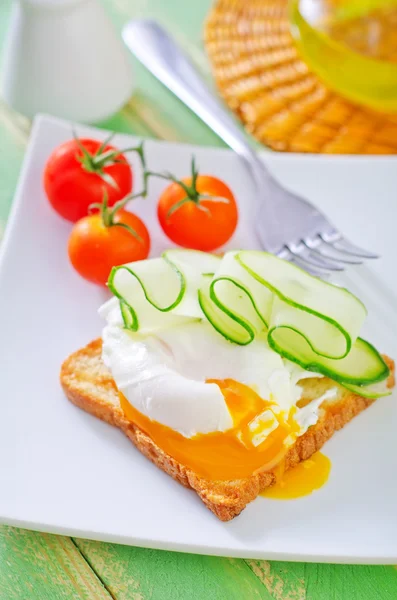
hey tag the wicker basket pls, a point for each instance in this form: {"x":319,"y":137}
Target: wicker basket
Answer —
{"x":282,"y":103}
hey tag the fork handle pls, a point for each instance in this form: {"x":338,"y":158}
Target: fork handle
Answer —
{"x":156,"y":49}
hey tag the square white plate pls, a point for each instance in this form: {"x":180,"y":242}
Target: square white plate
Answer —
{"x":63,"y":471}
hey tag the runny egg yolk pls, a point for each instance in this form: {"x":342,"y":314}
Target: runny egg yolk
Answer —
{"x":227,"y":454}
{"x":302,"y":480}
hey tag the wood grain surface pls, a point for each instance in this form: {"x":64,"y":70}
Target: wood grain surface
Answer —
{"x":47,"y":567}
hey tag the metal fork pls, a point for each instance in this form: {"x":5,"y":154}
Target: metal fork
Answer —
{"x":287,"y":224}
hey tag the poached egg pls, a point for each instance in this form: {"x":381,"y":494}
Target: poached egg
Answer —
{"x":224,"y":410}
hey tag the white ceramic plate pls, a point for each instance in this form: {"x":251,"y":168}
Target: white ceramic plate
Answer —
{"x":63,"y":471}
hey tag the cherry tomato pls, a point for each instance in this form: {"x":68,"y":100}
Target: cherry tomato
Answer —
{"x":95,"y":247}
{"x":201,"y":215}
{"x":77,"y":175}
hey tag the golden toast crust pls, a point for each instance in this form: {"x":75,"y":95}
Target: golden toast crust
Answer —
{"x":89,"y":385}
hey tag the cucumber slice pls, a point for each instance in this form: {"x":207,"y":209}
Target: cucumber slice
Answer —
{"x":329,"y":317}
{"x":192,"y":266}
{"x":312,"y":323}
{"x":361,"y":366}
{"x":232,"y":326}
{"x":308,"y":321}
{"x":161,"y":292}
{"x":373,"y":391}
{"x":129,"y":316}
{"x":237,"y":306}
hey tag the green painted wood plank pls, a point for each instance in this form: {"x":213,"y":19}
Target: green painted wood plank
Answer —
{"x":283,"y":581}
{"x":345,"y":582}
{"x":307,"y":581}
{"x":14,"y":133}
{"x":5,"y":9}
{"x":45,"y":567}
{"x":141,"y":574}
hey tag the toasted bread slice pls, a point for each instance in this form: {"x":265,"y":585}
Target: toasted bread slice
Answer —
{"x":88,"y":384}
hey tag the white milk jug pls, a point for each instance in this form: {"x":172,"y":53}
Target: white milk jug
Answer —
{"x":64,"y":58}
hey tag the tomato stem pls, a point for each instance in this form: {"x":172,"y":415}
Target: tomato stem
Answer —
{"x":192,"y":194}
{"x":97,"y":162}
{"x":105,"y":142}
{"x":108,"y":214}
{"x":130,"y":230}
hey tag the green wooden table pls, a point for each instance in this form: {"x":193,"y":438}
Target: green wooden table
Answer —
{"x":49,"y":567}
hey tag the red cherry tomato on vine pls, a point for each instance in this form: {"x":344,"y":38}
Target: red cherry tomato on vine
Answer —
{"x":80,"y":171}
{"x":198,"y":212}
{"x":104,"y":240}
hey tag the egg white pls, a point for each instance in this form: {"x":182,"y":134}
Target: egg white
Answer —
{"x":163,"y":374}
